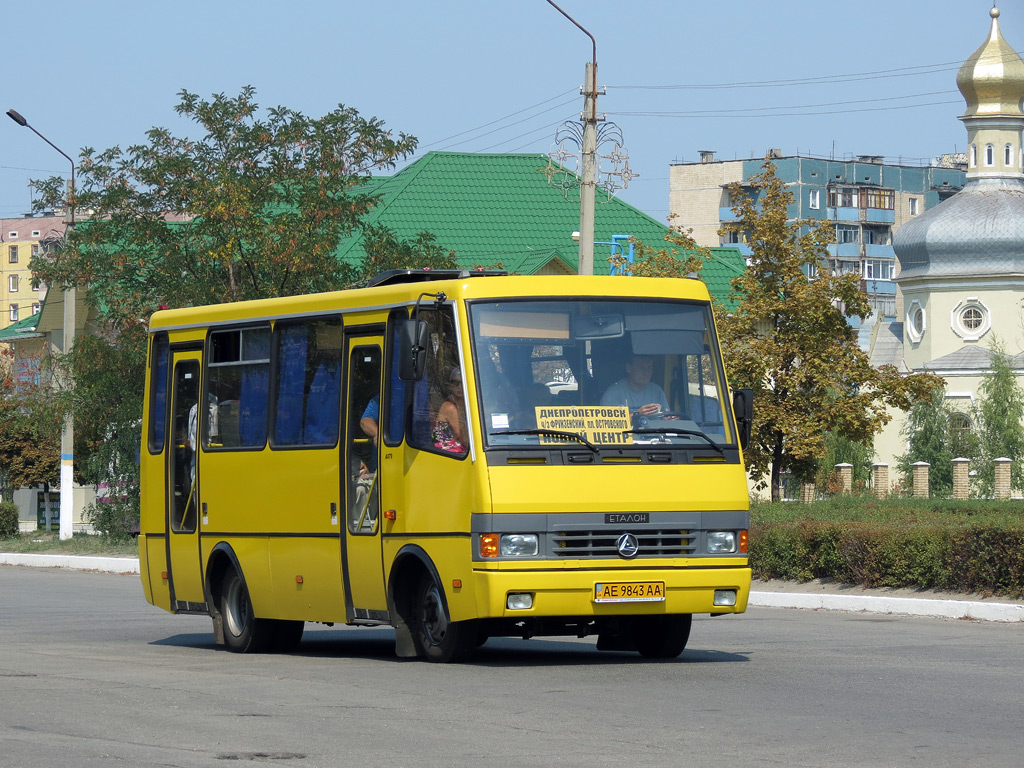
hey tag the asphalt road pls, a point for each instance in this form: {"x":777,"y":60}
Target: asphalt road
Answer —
{"x":91,"y":675}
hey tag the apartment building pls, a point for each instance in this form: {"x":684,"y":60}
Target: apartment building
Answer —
{"x":21,"y":240}
{"x":866,"y":199}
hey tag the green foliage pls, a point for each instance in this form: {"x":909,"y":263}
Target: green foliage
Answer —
{"x":790,"y":341}
{"x":30,"y":424}
{"x":108,"y":416}
{"x":678,"y":258}
{"x":254,"y":208}
{"x":8,"y":519}
{"x":966,"y":546}
{"x":929,"y":438}
{"x":842,"y":450}
{"x":385,"y":251}
{"x":999,"y":415}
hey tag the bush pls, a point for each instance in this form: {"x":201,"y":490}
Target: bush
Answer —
{"x":963,"y":546}
{"x":8,"y":520}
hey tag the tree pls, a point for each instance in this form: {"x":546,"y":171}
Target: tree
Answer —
{"x":254,"y":208}
{"x":998,"y":414}
{"x":927,"y":432}
{"x":385,"y":251}
{"x":30,"y":421}
{"x":841,"y":450}
{"x":789,"y":339}
{"x":678,"y":258}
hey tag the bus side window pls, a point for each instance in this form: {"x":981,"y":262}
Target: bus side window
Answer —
{"x":394,"y":395}
{"x":238,"y":377}
{"x":308,"y":382}
{"x":438,"y":421}
{"x":158,"y":393}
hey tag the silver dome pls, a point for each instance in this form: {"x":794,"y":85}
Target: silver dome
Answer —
{"x":978,"y":232}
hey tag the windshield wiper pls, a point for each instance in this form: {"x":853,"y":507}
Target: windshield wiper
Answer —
{"x":674,"y":431}
{"x":552,"y":433}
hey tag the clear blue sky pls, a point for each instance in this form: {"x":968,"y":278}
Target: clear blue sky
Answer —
{"x":735,"y":76}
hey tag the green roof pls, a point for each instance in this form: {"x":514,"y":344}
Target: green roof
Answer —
{"x":500,"y":208}
{"x":21,"y":329}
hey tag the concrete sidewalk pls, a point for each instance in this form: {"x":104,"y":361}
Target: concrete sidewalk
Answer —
{"x":815,"y":595}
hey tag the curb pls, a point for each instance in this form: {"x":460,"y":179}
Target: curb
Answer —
{"x":904,"y":606}
{"x":899,"y":606}
{"x":75,"y":562}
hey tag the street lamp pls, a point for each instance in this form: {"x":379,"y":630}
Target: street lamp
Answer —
{"x":588,"y":148}
{"x":67,"y":434}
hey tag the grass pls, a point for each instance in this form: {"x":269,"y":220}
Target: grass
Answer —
{"x":49,"y":543}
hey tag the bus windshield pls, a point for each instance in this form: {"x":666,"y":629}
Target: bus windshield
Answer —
{"x":595,"y":374}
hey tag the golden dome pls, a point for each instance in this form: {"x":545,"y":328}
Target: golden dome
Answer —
{"x":992,"y":79}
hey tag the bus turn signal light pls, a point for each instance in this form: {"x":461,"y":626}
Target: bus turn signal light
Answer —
{"x":488,"y":545}
{"x":743,"y":542}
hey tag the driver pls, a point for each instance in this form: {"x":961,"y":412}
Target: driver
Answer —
{"x":636,"y":391}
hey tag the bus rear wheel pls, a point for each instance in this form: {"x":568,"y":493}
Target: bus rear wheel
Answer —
{"x":661,"y":637}
{"x":440,"y":640}
{"x":243,"y":632}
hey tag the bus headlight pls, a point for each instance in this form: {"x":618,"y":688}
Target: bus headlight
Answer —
{"x":725,"y":597}
{"x":518,"y":545}
{"x":721,"y":542}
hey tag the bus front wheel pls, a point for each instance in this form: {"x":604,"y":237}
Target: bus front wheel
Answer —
{"x":440,"y":640}
{"x":243,"y":632}
{"x":662,"y":637}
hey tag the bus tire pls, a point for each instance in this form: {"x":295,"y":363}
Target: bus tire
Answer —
{"x":243,"y":632}
{"x":661,"y":637}
{"x":440,"y":640}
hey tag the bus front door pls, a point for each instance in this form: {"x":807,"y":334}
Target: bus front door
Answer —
{"x":362,"y":559}
{"x":183,"y":505}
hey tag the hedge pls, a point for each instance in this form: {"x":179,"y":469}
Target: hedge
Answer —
{"x":983,"y":556}
{"x":8,"y":519}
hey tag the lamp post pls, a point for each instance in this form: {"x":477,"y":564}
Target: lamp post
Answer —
{"x":67,"y":434}
{"x":588,"y":149}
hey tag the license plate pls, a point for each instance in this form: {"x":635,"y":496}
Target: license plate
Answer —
{"x":629,"y":592}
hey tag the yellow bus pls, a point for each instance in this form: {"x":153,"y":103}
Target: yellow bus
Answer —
{"x":457,"y":455}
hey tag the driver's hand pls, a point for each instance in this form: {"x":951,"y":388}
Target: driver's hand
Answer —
{"x":649,"y":409}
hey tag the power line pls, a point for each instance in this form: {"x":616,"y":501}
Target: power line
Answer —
{"x":788,"y":114}
{"x":747,"y":110}
{"x":506,"y":117}
{"x":924,"y":69}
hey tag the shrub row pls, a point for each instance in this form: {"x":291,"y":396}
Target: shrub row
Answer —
{"x":8,"y":519}
{"x":985,"y":558}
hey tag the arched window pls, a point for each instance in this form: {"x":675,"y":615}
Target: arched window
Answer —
{"x":1008,"y":156}
{"x":974,"y":155}
{"x":990,"y":155}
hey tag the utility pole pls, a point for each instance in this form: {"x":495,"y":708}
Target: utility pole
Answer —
{"x":588,"y":167}
{"x":588,"y":151}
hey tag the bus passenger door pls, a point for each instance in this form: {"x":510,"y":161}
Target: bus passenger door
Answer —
{"x":362,"y":559}
{"x":183,"y":505}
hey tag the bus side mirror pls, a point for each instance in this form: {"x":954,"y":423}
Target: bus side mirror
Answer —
{"x":412,"y":352}
{"x":743,"y":407}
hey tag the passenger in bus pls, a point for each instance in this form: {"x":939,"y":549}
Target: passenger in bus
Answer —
{"x":450,"y":429}
{"x":368,"y":421}
{"x":636,"y":391}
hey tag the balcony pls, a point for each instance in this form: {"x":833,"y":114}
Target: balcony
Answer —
{"x":879,"y":216}
{"x":879,"y":252}
{"x":843,"y":214}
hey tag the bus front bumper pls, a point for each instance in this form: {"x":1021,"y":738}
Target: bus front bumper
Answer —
{"x":611,"y":592}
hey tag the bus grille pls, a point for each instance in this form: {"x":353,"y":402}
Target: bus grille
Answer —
{"x":582,"y":544}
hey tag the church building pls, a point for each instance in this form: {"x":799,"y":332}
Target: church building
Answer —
{"x":961,"y":272}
